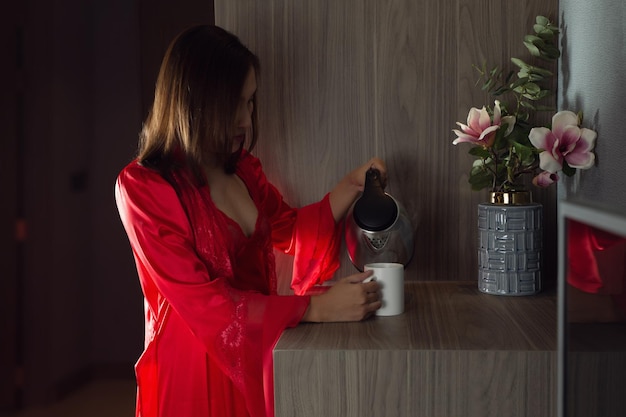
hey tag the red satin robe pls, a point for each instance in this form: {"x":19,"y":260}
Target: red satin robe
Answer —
{"x":212,"y":314}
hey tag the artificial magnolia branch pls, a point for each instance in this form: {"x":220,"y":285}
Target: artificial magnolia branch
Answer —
{"x":507,"y":146}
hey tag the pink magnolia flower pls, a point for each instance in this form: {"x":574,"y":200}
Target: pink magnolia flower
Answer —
{"x":566,"y":141}
{"x":480,"y":129}
{"x":545,"y":179}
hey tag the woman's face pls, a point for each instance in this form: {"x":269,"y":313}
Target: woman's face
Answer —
{"x":243,"y":116}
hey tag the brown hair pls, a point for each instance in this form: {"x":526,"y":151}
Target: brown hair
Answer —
{"x":195,"y":100}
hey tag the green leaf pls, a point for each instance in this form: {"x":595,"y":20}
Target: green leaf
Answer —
{"x":508,"y":77}
{"x":479,"y":151}
{"x":542,"y":20}
{"x":488,"y":85}
{"x":568,"y":170}
{"x":551,"y":52}
{"x":525,"y":153}
{"x":497,"y":143}
{"x":535,"y":40}
{"x":535,"y":77}
{"x":532,"y":93}
{"x":480,"y":178}
{"x":520,"y":81}
{"x":538,"y":70}
{"x":519,"y":63}
{"x":544,"y":33}
{"x":534,"y":51}
{"x":500,"y":90}
{"x":529,"y":90}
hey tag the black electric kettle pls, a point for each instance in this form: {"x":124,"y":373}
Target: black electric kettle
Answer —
{"x":377,"y":227}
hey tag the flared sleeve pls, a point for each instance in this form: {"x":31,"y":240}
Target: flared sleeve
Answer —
{"x":315,"y":245}
{"x":309,"y":233}
{"x":237,"y":328}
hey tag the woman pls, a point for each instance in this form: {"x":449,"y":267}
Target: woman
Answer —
{"x":203,"y":220}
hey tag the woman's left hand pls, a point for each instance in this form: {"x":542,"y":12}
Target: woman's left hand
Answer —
{"x":357,"y":176}
{"x":349,"y":188}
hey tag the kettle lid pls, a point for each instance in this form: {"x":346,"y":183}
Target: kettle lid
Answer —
{"x":374,"y":210}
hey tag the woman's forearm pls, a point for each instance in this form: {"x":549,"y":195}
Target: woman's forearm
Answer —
{"x":342,"y":197}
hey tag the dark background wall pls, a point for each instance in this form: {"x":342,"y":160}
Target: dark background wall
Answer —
{"x":78,"y":76}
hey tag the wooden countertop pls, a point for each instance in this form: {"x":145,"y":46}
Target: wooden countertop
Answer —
{"x":453,"y":352}
{"x":441,"y":316}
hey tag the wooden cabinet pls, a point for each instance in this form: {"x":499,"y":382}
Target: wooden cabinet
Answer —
{"x":453,"y":352}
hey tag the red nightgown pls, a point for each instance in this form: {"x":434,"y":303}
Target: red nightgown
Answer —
{"x":212,"y":314}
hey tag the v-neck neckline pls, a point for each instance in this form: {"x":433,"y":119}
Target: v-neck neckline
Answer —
{"x":232,"y":221}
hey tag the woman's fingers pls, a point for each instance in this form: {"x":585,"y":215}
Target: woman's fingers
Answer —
{"x":358,"y":278}
{"x":350,"y":299}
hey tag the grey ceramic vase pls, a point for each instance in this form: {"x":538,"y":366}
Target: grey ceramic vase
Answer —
{"x":510,"y":248}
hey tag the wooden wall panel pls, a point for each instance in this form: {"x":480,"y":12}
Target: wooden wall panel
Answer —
{"x":345,"y":80}
{"x":417,"y":110}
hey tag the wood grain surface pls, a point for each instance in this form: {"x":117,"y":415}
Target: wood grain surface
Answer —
{"x":596,"y":369}
{"x":453,"y":352}
{"x":346,"y":80}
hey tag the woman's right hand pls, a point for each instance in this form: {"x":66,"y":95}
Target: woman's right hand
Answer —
{"x":350,"y":299}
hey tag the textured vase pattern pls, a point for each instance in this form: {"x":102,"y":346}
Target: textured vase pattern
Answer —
{"x":510,"y":244}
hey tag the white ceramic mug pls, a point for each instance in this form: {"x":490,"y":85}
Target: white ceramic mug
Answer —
{"x":390,"y":276}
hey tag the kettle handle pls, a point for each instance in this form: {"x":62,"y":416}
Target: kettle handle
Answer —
{"x":374,"y":210}
{"x":373,"y":181}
